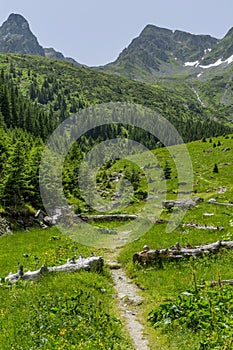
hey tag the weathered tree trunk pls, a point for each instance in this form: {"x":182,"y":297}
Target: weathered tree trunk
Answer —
{"x":177,"y":252}
{"x":203,"y":227}
{"x":93,"y":263}
{"x":108,"y":217}
{"x":216,"y":283}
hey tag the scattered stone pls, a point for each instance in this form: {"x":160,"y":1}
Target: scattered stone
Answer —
{"x":136,"y":300}
{"x":226,"y":149}
{"x":161,"y":221}
{"x":212,"y":200}
{"x":4,"y":227}
{"x":222,"y":190}
{"x":183,"y":203}
{"x":208,"y":214}
{"x":113,"y":265}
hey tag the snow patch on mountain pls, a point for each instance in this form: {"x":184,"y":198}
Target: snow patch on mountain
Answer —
{"x":218,"y":62}
{"x":229,"y":60}
{"x":207,"y":50}
{"x":191,"y":64}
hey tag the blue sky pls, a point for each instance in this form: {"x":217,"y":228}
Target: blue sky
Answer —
{"x":95,"y":32}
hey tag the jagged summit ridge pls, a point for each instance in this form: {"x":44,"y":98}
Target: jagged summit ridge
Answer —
{"x":16,"y":37}
{"x":157,"y":51}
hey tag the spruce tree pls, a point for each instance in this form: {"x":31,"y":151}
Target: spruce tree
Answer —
{"x":215,"y":170}
{"x":167,"y":171}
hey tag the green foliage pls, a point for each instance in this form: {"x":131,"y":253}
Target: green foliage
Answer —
{"x":207,"y":311}
{"x":53,"y":90}
{"x":68,"y":311}
{"x":19,"y":169}
{"x":73,"y":311}
{"x":167,"y":171}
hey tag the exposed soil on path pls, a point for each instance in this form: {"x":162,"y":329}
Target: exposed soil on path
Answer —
{"x":129,"y":302}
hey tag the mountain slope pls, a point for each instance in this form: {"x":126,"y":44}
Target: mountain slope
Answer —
{"x":158,"y":51}
{"x":16,"y":36}
{"x":223,"y":50}
{"x":51,"y":53}
{"x":60,"y":89}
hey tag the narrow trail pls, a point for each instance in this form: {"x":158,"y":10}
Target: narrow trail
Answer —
{"x":129,"y":303}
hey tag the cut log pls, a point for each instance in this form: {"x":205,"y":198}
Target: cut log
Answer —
{"x":108,"y":217}
{"x":177,"y":252}
{"x":93,"y":263}
{"x":213,"y":201}
{"x":203,"y":227}
{"x":217,"y":283}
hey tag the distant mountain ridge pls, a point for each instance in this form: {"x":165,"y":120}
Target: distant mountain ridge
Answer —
{"x":16,"y":37}
{"x":163,"y":52}
{"x":155,"y":52}
{"x":170,"y":58}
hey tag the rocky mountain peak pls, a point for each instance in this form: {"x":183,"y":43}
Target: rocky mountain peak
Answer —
{"x":17,"y":19}
{"x":16,"y":37}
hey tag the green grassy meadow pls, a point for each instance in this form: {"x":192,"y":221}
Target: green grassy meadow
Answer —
{"x":61,"y":311}
{"x":78,"y":311}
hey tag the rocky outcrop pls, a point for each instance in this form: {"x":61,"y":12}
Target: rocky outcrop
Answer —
{"x":4,"y":226}
{"x":16,"y":37}
{"x":182,"y":203}
{"x":51,"y":53}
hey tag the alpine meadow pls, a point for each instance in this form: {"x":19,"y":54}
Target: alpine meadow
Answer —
{"x":116,"y":194}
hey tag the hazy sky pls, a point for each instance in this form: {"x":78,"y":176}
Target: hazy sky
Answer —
{"x":95,"y":32}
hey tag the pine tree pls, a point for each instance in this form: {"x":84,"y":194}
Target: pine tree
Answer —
{"x":215,"y":170}
{"x":14,"y":184}
{"x":167,"y":171}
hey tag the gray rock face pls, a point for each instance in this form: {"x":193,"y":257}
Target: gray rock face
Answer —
{"x":4,"y":226}
{"x":51,"y":53}
{"x":16,"y":37}
{"x":159,"y":50}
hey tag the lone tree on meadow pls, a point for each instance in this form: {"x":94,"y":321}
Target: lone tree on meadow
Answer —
{"x":167,"y":171}
{"x":215,"y":170}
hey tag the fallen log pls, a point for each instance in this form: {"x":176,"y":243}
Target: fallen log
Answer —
{"x":93,"y":263}
{"x":177,"y":252}
{"x":220,"y":283}
{"x":108,"y":217}
{"x":203,"y":227}
{"x":213,"y":201}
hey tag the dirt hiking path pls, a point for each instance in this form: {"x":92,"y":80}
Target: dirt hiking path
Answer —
{"x":129,"y":303}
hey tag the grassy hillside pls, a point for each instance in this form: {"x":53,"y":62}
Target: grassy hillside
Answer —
{"x":162,"y":284}
{"x":57,"y":89}
{"x":89,"y":297}
{"x":78,"y":311}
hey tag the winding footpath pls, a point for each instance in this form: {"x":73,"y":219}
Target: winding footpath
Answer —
{"x":129,"y":303}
